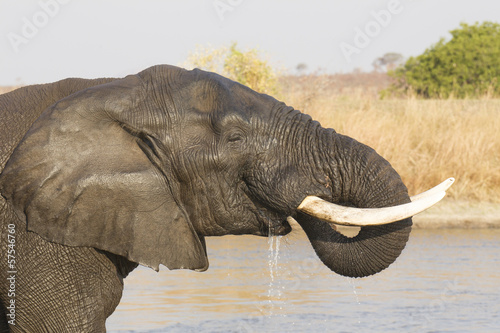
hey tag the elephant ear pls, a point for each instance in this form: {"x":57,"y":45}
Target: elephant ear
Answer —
{"x":80,"y":178}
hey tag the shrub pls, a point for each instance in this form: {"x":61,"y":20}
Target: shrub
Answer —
{"x":468,"y":65}
{"x":245,"y":67}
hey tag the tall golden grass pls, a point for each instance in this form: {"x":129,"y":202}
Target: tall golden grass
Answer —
{"x":426,"y":141}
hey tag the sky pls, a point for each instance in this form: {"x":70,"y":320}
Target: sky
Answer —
{"x":47,"y":40}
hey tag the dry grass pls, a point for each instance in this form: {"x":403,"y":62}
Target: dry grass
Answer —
{"x":426,"y":141}
{"x":4,"y":90}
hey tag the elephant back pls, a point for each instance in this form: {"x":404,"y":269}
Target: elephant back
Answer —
{"x":20,"y":108}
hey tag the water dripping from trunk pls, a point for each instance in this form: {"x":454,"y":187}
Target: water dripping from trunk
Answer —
{"x":274,"y":289}
{"x":353,"y":284}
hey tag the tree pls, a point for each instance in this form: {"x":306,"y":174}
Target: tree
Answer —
{"x":388,"y":61}
{"x":468,"y":65}
{"x":245,"y":67}
{"x":301,"y":68}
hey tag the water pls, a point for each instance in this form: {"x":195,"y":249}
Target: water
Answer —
{"x":445,"y":281}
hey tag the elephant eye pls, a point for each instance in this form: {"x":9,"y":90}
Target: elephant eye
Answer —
{"x":235,"y":137}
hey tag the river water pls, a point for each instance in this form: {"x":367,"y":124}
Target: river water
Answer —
{"x":444,"y":281}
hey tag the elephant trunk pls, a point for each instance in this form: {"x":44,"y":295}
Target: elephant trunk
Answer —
{"x":366,"y":181}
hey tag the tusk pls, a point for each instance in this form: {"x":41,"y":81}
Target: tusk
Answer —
{"x":440,"y":188}
{"x":349,"y":232}
{"x":349,"y":216}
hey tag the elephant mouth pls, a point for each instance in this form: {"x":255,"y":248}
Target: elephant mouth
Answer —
{"x":272,"y":224}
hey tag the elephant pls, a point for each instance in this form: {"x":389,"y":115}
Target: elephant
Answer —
{"x":99,"y":176}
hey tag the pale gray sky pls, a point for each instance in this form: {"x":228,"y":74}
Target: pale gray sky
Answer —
{"x":47,"y":40}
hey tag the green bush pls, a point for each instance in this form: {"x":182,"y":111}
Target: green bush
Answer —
{"x":245,"y":67}
{"x":468,"y":65}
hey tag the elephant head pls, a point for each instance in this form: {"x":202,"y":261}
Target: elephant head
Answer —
{"x":146,"y":166}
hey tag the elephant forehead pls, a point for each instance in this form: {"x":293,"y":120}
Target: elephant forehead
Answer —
{"x":205,"y":95}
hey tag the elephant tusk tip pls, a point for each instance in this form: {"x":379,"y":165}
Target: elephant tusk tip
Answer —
{"x":448,"y":182}
{"x":443,"y":187}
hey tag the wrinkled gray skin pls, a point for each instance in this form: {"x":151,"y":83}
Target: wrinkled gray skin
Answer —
{"x":101,"y":175}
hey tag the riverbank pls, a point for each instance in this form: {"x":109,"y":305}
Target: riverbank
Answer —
{"x":459,"y":214}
